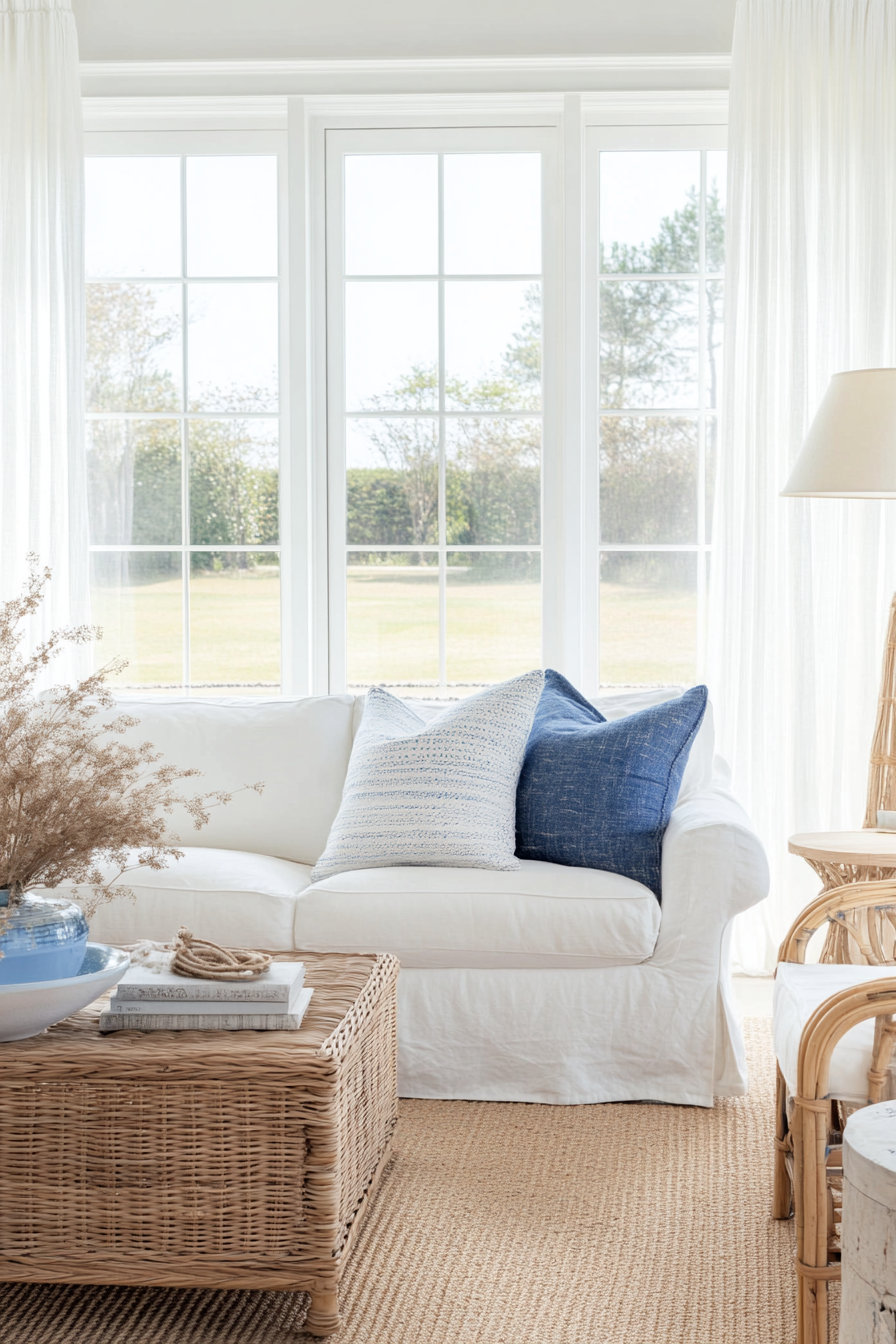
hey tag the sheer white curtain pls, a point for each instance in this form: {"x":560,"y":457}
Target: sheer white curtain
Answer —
{"x":42,"y":462}
{"x":801,"y":587}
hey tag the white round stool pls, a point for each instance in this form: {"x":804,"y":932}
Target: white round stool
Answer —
{"x":868,"y":1231}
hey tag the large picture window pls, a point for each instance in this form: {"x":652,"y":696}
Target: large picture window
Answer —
{"x":182,"y":418}
{"x":405,"y":397}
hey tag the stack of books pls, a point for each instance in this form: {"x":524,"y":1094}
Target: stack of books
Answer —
{"x":162,"y":1001}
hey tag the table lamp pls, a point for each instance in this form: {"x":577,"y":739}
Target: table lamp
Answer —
{"x":850,"y":453}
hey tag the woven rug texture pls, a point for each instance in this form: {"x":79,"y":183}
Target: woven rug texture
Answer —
{"x":500,"y":1223}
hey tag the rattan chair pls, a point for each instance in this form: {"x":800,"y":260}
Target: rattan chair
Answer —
{"x":810,"y":1121}
{"x":861,"y":931}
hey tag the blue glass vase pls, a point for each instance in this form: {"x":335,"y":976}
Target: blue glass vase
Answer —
{"x":41,"y":938}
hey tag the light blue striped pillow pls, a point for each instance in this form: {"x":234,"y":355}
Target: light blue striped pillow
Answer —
{"x":440,"y":794}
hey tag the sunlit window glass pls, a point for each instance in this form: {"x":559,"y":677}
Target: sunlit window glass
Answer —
{"x":442,"y":419}
{"x":661,"y":291}
{"x":182,"y":424}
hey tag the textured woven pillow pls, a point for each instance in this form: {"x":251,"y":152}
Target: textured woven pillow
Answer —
{"x":599,"y":794}
{"x":441,"y":794}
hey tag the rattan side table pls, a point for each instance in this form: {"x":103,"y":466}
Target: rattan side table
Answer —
{"x":839,"y":857}
{"x":202,"y":1159}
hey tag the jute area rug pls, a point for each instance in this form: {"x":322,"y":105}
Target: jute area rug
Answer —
{"x":517,"y":1224}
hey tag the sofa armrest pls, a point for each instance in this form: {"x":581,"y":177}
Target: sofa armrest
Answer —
{"x":713,"y":867}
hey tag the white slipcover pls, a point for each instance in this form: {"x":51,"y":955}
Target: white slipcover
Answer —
{"x":665,"y":1030}
{"x":503,"y":1020}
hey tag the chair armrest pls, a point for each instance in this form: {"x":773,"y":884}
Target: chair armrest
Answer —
{"x":713,"y":867}
{"x":833,"y":906}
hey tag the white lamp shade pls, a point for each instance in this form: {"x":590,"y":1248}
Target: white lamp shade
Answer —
{"x":850,"y":450}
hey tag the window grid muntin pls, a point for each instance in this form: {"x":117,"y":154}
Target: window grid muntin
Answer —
{"x":183,"y":416}
{"x":442,"y":415}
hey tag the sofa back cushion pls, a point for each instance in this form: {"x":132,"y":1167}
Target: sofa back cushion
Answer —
{"x":698,"y":773}
{"x":298,"y":749}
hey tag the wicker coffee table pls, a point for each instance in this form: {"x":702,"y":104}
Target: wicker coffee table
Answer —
{"x":202,"y":1159}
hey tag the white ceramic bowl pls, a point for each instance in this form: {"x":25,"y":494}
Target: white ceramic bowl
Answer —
{"x":27,"y":1009}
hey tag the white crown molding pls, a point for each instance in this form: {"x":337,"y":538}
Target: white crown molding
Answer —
{"x":183,"y":113}
{"x":681,"y":106}
{"x":519,"y":74}
{"x":420,"y":108}
{"x":160,"y":112}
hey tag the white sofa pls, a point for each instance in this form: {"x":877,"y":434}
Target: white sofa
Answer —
{"x":549,"y":984}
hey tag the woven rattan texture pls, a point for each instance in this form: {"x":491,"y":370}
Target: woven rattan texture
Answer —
{"x":200,"y":1159}
{"x":518,"y":1224}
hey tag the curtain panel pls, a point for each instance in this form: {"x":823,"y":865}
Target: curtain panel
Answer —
{"x":801,"y":588}
{"x":43,"y":501}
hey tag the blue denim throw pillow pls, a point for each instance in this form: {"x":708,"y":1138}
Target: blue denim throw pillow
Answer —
{"x":598,"y":793}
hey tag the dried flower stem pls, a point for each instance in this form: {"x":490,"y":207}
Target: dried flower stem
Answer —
{"x":73,"y":796}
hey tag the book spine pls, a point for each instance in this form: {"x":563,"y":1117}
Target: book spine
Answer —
{"x":222,"y":991}
{"x":200,"y":1021}
{"x":205,"y":1007}
{"x":208,"y":1021}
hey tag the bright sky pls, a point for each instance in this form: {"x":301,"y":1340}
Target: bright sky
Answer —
{"x":492,"y":227}
{"x":134,"y":218}
{"x":638,"y":188}
{"x":393,"y":325}
{"x":492,"y":214}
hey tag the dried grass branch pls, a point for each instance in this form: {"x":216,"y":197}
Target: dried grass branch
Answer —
{"x":74,"y":797}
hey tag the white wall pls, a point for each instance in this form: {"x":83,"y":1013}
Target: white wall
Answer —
{"x":358,"y":29}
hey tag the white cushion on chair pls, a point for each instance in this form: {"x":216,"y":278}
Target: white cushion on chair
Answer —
{"x":799,"y":990}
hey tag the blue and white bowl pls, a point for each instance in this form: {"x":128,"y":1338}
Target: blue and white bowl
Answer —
{"x":27,"y":1009}
{"x":42,"y":937}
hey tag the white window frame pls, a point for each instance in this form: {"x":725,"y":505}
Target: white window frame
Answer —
{"x":435,"y":140}
{"x":146,"y":143}
{"x":167,"y":117}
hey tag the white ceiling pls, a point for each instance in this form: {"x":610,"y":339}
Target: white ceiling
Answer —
{"x":384,"y":29}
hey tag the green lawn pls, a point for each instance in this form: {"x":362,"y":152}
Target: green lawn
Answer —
{"x":647,"y":634}
{"x":141,"y":622}
{"x":393,"y":624}
{"x":234,"y":628}
{"x":235,"y":625}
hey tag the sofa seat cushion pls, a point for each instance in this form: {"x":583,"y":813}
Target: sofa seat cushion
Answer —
{"x":226,"y":895}
{"x":541,"y":915}
{"x":799,"y":990}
